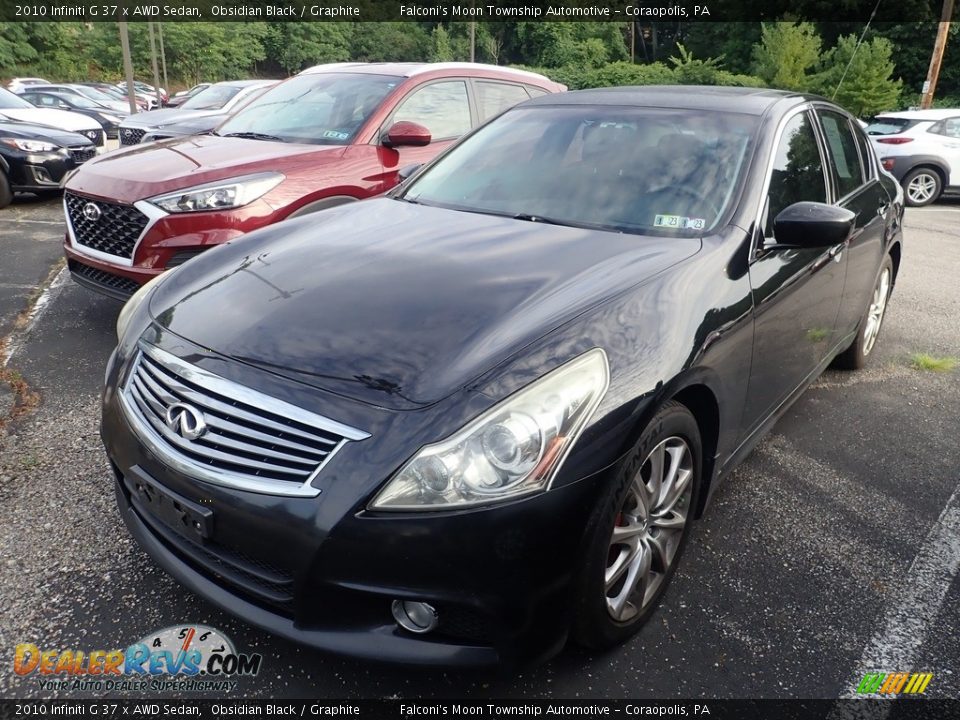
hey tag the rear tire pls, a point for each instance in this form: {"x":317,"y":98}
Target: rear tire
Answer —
{"x":855,"y":356}
{"x":921,"y":186}
{"x":6,"y":195}
{"x":638,"y":531}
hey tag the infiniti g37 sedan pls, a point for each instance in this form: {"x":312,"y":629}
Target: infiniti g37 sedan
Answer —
{"x":465,"y":422}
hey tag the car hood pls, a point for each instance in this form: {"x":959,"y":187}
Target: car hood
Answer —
{"x":399,"y":305}
{"x":30,"y":131}
{"x":196,"y":125}
{"x":159,"y":118}
{"x":141,"y":171}
{"x":55,"y":118}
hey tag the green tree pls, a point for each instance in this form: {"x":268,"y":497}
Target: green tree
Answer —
{"x":785,"y":54}
{"x":442,"y":51}
{"x":868,"y":86}
{"x":295,"y":45}
{"x":390,"y":42}
{"x":690,"y":71}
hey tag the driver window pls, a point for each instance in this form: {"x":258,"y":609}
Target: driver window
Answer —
{"x":441,"y":107}
{"x":797,"y":170}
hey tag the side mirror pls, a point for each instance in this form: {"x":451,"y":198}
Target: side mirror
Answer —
{"x":812,"y":225}
{"x":407,"y":133}
{"x":404,"y":173}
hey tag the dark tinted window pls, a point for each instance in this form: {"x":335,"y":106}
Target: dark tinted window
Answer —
{"x":440,"y":107}
{"x":844,"y":160}
{"x":866,"y":155}
{"x":797,"y":170}
{"x":494,"y":97}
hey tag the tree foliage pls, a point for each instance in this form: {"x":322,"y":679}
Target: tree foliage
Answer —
{"x":860,"y":79}
{"x":786,"y":54}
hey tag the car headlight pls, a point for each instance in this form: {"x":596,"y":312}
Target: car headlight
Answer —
{"x":30,"y":145}
{"x":221,"y":195}
{"x":513,"y":449}
{"x":130,"y":307}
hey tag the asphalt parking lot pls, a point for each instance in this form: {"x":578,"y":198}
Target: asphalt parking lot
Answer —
{"x":833,"y":550}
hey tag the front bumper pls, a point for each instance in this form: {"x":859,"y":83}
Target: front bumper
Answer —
{"x":323,"y":571}
{"x":38,"y":171}
{"x":168,"y":240}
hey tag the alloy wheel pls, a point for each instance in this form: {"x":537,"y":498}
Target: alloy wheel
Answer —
{"x":649,"y":529}
{"x":921,"y":188}
{"x":878,"y":306}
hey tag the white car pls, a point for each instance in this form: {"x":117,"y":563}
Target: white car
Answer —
{"x":18,"y":85}
{"x":16,"y":108}
{"x":221,"y":98}
{"x":921,"y":149}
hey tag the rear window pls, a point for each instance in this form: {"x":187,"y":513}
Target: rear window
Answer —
{"x":889,"y":125}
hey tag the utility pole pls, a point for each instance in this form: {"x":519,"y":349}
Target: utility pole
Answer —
{"x":633,"y":41}
{"x":473,"y":41}
{"x":163,"y":56}
{"x":930,"y":86}
{"x":127,"y":65}
{"x":153,"y":61}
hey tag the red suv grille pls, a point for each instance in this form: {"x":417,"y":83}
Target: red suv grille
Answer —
{"x":111,"y":228}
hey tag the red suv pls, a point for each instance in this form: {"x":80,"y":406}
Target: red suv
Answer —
{"x":330,"y":135}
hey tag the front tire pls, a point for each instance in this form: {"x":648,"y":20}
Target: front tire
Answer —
{"x":921,"y":186}
{"x":855,"y":356}
{"x":6,"y":195}
{"x":638,"y":530}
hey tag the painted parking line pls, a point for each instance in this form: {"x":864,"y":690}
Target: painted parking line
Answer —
{"x":16,"y":339}
{"x":32,"y":221}
{"x":912,"y":614}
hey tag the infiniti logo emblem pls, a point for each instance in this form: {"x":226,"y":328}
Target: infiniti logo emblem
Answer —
{"x":186,"y":421}
{"x":91,"y":211}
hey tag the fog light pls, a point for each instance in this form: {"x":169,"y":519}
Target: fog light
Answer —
{"x":417,"y":617}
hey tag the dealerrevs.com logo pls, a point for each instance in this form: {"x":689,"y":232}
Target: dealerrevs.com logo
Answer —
{"x":894,"y":683}
{"x":179,"y":657}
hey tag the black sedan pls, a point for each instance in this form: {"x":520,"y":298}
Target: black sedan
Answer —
{"x":108,"y":118}
{"x":35,"y":158}
{"x":466,"y":422}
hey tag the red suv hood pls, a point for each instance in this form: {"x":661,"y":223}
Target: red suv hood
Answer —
{"x":143,"y":171}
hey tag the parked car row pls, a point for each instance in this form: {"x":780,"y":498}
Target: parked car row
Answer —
{"x":331,"y":135}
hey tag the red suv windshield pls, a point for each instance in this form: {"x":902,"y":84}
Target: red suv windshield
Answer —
{"x":321,"y":109}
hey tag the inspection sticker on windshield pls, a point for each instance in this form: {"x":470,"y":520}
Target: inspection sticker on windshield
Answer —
{"x":678,"y":221}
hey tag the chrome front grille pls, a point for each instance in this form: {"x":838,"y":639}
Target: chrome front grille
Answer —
{"x":216,"y":430}
{"x":131,"y":136}
{"x":112,"y":228}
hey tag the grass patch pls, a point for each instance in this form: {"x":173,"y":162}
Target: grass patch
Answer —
{"x":930,"y":363}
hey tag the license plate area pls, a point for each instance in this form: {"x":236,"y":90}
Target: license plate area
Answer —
{"x":184,"y":517}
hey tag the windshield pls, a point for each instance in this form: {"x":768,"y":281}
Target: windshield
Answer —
{"x":649,"y":171}
{"x":321,"y":109}
{"x":9,"y":101}
{"x":77,"y":101}
{"x":213,"y":98}
{"x":95,"y":94}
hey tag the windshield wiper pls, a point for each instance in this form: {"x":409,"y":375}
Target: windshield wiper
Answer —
{"x":254,"y":136}
{"x":538,"y":218}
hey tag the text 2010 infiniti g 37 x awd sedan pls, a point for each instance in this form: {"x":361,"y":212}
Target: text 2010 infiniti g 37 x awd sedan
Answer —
{"x":462,"y":423}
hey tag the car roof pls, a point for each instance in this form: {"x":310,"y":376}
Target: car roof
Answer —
{"x":933,"y":114}
{"x":411,"y":69}
{"x":243,"y":83}
{"x":751,"y":101}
